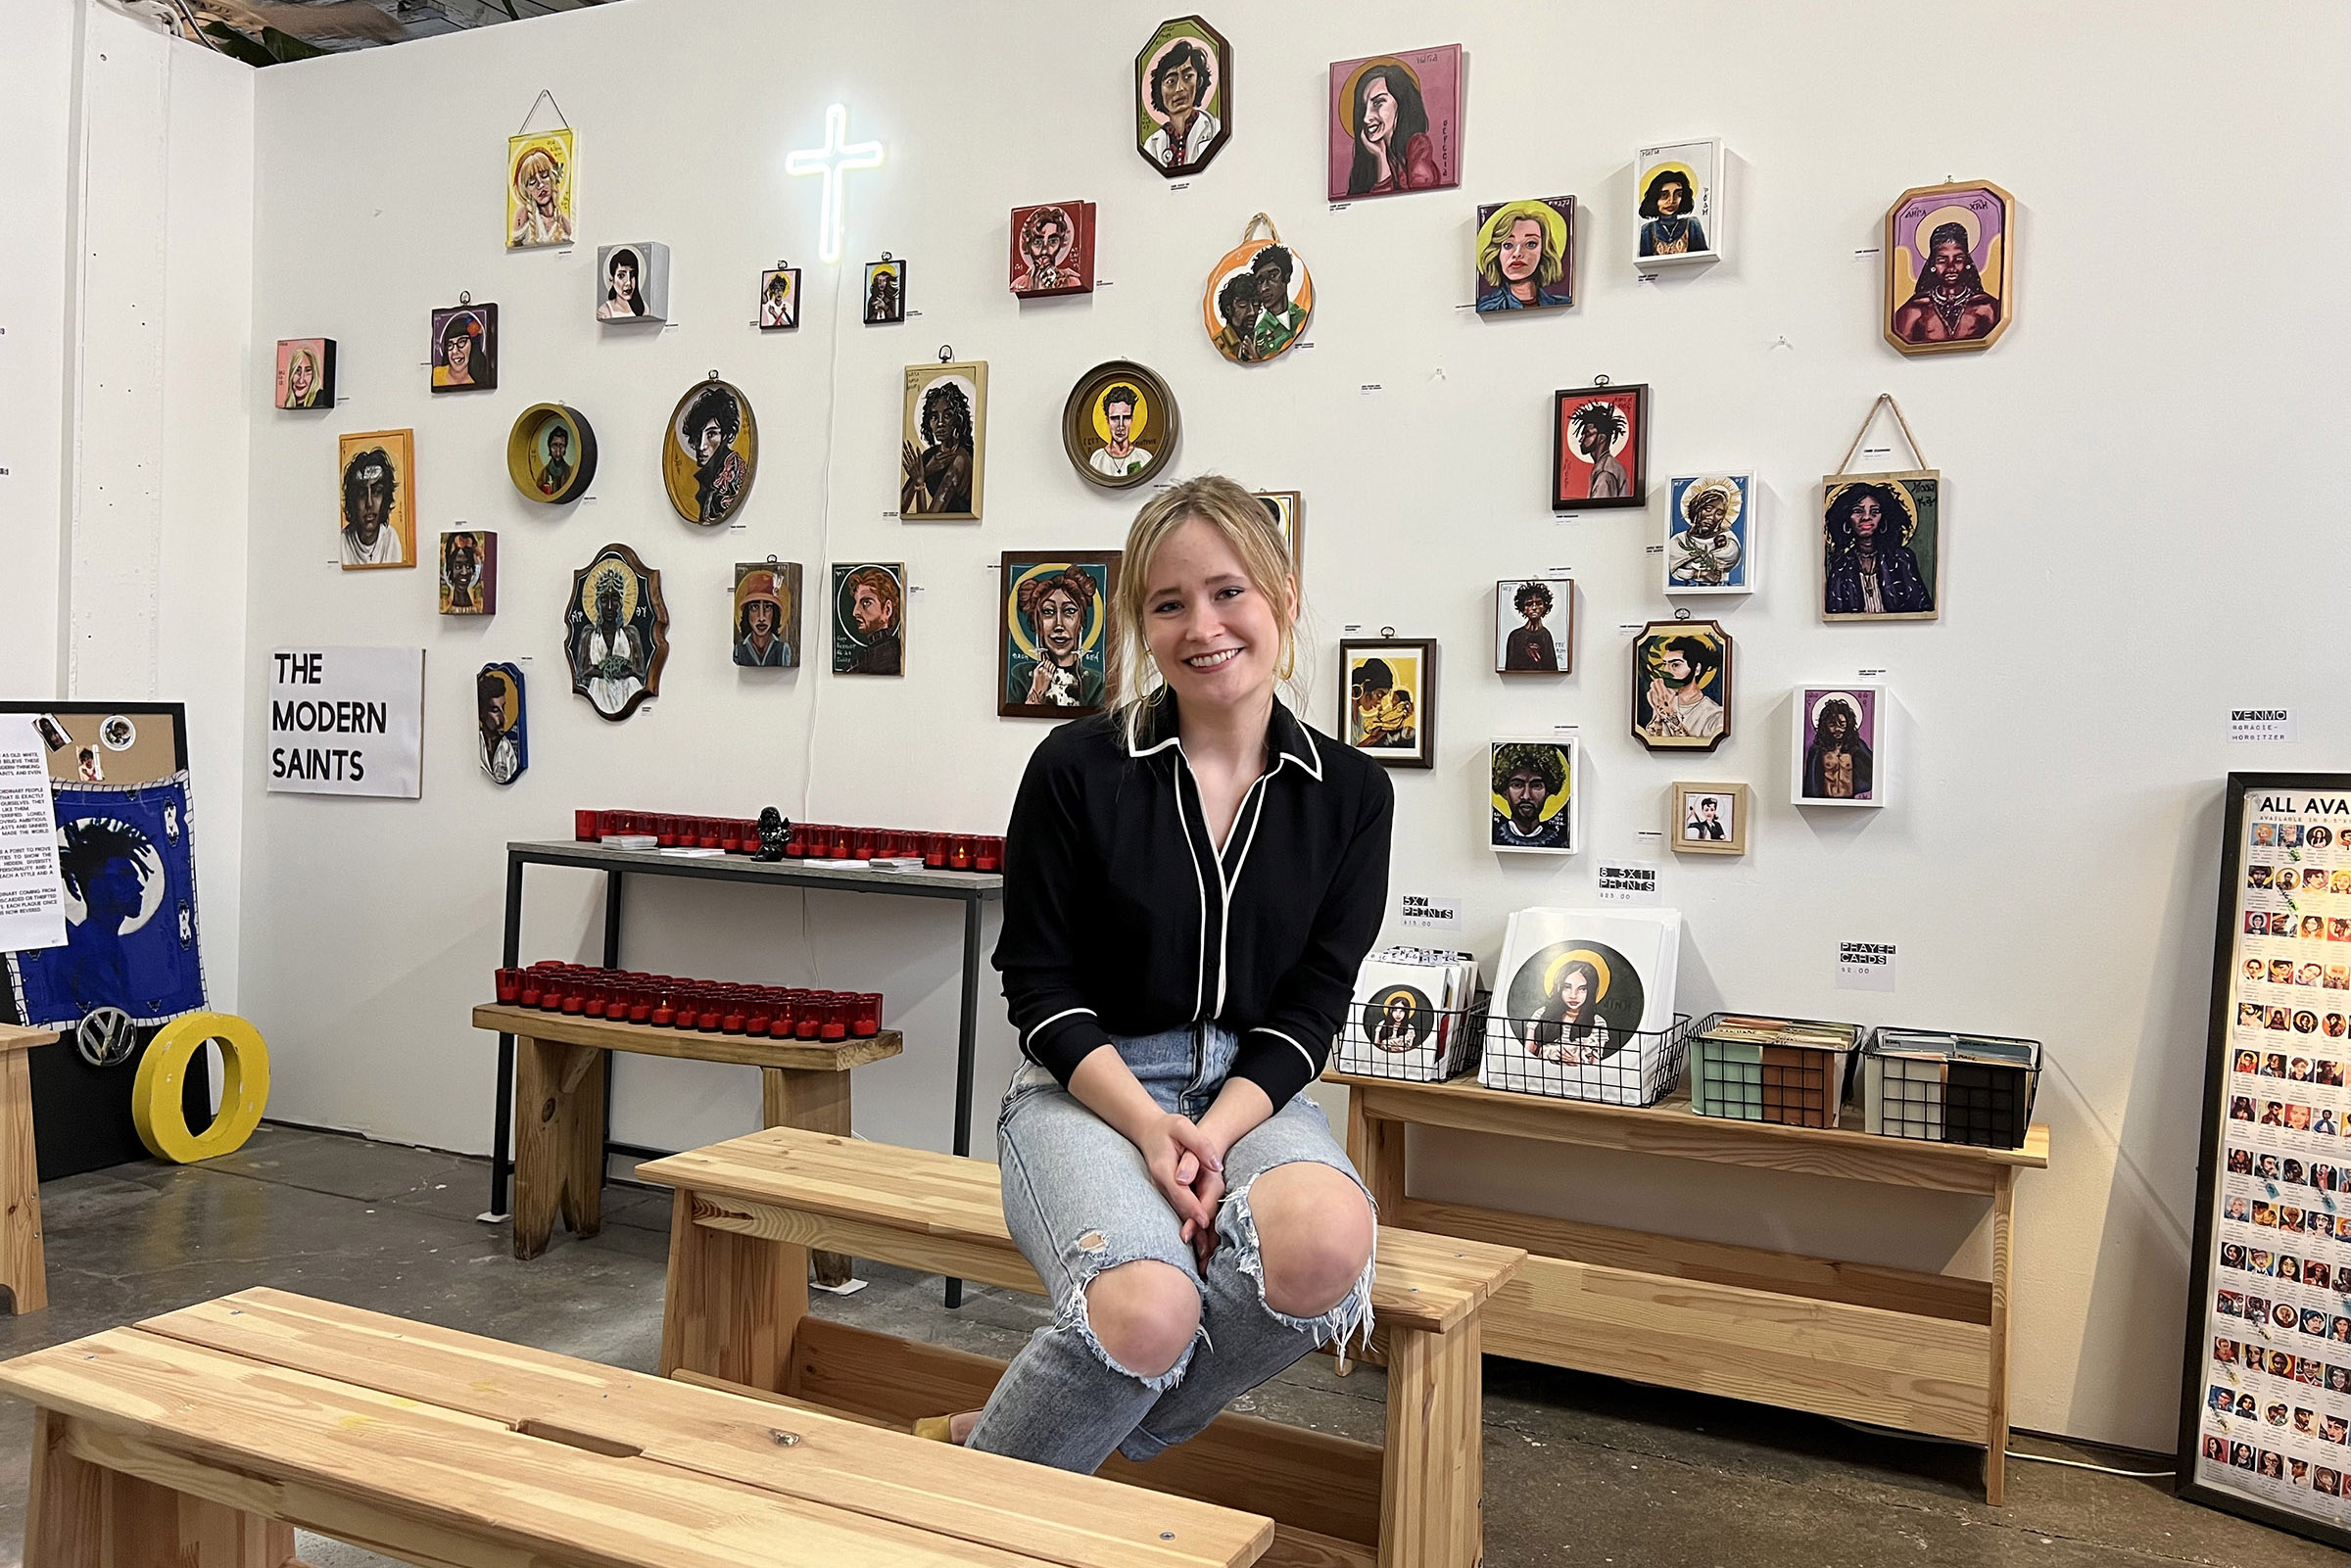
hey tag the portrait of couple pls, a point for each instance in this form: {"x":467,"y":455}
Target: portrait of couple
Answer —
{"x":1259,"y":300}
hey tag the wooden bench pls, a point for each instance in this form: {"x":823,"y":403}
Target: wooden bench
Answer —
{"x":203,"y":1438}
{"x":559,"y":1105}
{"x":737,"y":1314}
{"x":22,"y":1270}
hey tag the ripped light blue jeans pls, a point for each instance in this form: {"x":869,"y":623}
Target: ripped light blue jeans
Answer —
{"x":1078,"y":1199}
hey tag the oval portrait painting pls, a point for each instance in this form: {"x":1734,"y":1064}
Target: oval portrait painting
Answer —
{"x":1120,"y":424}
{"x":1574,"y":1002}
{"x":710,"y":453}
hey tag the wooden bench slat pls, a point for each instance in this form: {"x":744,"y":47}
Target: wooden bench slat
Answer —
{"x":461,"y":1488}
{"x":1070,"y":1520}
{"x":1429,"y":1283}
{"x":644,"y":1039}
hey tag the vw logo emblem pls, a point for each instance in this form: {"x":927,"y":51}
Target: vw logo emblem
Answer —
{"x":105,"y":1037}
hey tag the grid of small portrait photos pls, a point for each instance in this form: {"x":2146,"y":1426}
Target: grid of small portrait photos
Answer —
{"x":2275,"y":1426}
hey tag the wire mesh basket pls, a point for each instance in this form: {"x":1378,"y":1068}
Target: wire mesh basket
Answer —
{"x":1600,"y":1063}
{"x":1429,"y":1046}
{"x":1951,"y":1088}
{"x":1794,"y":1071}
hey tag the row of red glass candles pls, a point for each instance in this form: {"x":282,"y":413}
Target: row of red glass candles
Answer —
{"x":712,"y":1007}
{"x":740,"y":835}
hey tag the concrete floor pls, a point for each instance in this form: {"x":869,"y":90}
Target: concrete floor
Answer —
{"x":1579,"y":1469}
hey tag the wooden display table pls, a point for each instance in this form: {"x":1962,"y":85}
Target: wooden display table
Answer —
{"x":738,"y":1313}
{"x":203,"y":1438}
{"x":22,"y":1270}
{"x":1888,"y":1347}
{"x":559,"y":1127}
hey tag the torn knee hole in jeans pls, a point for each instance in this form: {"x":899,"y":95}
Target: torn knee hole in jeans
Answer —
{"x":1093,"y":1260}
{"x":1349,"y":1320}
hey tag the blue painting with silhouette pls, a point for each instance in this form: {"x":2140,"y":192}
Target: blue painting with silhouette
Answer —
{"x":128,"y":856}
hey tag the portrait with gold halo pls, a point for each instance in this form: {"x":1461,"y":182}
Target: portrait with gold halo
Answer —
{"x":616,"y":632}
{"x":1574,"y":1001}
{"x":539,"y":189}
{"x":1120,"y":424}
{"x":1950,"y":258}
{"x":1395,"y":124}
{"x":1053,"y":654}
{"x":1679,"y":217}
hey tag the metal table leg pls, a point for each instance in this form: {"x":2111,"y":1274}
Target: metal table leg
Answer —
{"x":967,"y":1037}
{"x":503,"y":1130}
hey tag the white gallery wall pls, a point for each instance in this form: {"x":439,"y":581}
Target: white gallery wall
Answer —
{"x":127,"y":215}
{"x":2140,"y":530}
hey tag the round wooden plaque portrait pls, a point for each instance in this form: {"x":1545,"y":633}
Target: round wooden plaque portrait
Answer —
{"x":709,"y":451}
{"x":550,"y":453}
{"x":1258,"y":297}
{"x":1120,"y":425}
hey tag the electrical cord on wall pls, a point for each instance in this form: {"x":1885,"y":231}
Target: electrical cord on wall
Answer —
{"x":821,"y":570}
{"x":1866,"y":1429}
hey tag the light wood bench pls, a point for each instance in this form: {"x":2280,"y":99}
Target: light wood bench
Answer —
{"x":1857,"y":1342}
{"x":737,"y":1314}
{"x":203,"y":1438}
{"x":22,"y":1270}
{"x":559,"y":1105}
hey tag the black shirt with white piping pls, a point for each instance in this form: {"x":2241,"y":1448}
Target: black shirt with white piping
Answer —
{"x":1120,"y":917}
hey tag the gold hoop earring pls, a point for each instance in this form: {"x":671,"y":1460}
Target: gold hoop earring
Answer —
{"x":1289,"y":661}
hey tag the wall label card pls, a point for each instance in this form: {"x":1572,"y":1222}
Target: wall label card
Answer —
{"x":346,"y":722}
{"x":2263,"y":723}
{"x":1628,"y":882}
{"x":1865,"y":965}
{"x":1428,"y":913}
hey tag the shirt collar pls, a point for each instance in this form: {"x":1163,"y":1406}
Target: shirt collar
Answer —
{"x":1288,"y":743}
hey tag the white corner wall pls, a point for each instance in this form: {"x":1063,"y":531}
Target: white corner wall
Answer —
{"x":123,"y":413}
{"x":2140,"y":535}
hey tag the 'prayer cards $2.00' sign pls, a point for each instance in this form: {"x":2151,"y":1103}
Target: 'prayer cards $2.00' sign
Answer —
{"x":346,"y":722}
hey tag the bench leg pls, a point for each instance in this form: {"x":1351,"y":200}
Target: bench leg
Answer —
{"x":2003,"y":1251}
{"x":21,"y":1269}
{"x":816,"y":1102}
{"x":1376,"y":1148}
{"x":733,"y":1304}
{"x":1433,"y":1469}
{"x":558,"y":1142}
{"x":83,"y":1516}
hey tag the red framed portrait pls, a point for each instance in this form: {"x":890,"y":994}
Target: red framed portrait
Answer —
{"x":1053,"y":249}
{"x":1598,"y":448}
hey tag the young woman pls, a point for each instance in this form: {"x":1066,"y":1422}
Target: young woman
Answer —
{"x":1191,"y":879}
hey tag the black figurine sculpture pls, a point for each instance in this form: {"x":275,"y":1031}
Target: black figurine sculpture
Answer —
{"x":774,"y":829}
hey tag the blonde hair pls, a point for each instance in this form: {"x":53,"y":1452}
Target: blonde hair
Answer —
{"x":1247,"y":524}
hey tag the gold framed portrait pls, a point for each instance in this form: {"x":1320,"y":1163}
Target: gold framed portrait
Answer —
{"x":710,"y":453}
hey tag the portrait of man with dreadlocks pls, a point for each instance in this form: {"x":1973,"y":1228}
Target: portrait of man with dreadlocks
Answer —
{"x":1599,"y":440}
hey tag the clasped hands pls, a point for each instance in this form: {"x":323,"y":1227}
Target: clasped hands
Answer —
{"x":1187,"y":1166}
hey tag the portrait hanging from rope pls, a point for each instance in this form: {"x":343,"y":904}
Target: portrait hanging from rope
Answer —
{"x":1053,"y":648}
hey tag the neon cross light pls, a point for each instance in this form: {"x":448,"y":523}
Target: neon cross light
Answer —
{"x":834,"y":160}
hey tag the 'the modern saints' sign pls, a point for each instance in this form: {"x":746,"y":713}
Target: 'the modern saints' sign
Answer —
{"x":346,"y":722}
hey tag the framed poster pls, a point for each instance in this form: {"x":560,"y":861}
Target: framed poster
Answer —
{"x":1709,"y":818}
{"x":1525,"y":255}
{"x":1838,"y":756}
{"x":710,"y":454}
{"x":1598,"y":448}
{"x":1391,"y":700}
{"x":1053,"y":249}
{"x":1950,"y":256}
{"x":868,"y":618}
{"x":378,"y":513}
{"x":1287,"y":508}
{"x":942,"y":451}
{"x":1682,"y":686}
{"x":2268,"y":1326}
{"x":1711,"y":533}
{"x":1534,"y":626}
{"x":1053,"y":647}
{"x":1118,"y":426}
{"x":1679,"y":187}
{"x":1534,"y":807}
{"x":1881,"y":546}
{"x":1183,"y":96}
{"x":1396,"y":123}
